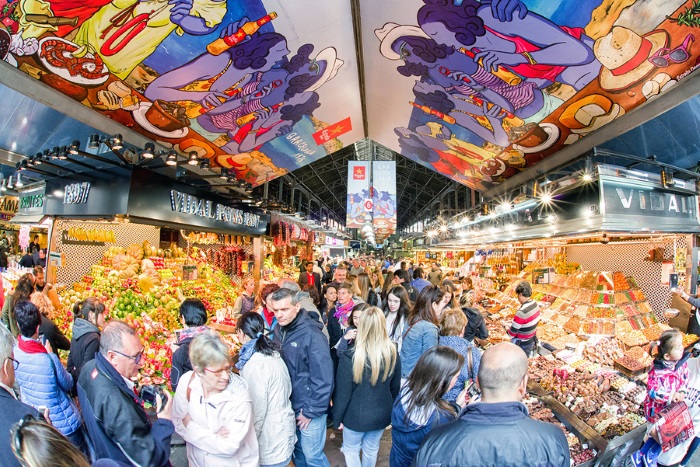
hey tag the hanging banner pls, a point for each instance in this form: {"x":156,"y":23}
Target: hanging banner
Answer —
{"x":384,"y":210}
{"x":358,"y":194}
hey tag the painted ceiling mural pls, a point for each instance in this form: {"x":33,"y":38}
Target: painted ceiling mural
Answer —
{"x":479,"y":91}
{"x":260,"y":87}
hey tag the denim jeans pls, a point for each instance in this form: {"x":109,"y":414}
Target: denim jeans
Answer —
{"x":368,"y":441}
{"x":308,"y":452}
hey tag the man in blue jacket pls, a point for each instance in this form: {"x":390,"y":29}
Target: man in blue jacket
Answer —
{"x":12,"y":409}
{"x":118,"y":425}
{"x":497,"y":430}
{"x":307,"y":355}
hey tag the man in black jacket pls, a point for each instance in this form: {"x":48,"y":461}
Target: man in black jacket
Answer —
{"x":497,"y":430}
{"x":12,"y":409}
{"x":117,"y":424}
{"x":306,"y":353}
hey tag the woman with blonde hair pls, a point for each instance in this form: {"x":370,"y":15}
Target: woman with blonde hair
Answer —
{"x":212,"y":410}
{"x":35,"y":443}
{"x":367,"y":294}
{"x":246,"y":300}
{"x":367,"y":383}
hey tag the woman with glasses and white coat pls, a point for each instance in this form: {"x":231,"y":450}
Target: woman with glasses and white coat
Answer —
{"x":213,"y":411}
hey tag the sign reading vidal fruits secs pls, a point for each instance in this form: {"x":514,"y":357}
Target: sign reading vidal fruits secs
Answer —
{"x":189,"y":204}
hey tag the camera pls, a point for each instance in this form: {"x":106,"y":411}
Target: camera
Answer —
{"x":148,"y":394}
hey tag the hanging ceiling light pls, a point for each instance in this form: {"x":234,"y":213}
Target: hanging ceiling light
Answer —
{"x":63,"y":153}
{"x":204,"y":163}
{"x":9,"y":183}
{"x":19,"y":181}
{"x":117,"y":141}
{"x":38,"y":158}
{"x":3,"y":186}
{"x":223,"y":175}
{"x":74,"y":147}
{"x":148,"y":150}
{"x":94,"y":142}
{"x":54,"y":152}
{"x":171,"y":159}
{"x":194,"y":158}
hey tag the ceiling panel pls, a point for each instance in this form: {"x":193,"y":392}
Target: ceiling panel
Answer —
{"x":498,"y":94}
{"x":163,"y":69}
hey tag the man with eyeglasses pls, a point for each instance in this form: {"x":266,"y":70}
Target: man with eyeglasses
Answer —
{"x":12,"y":409}
{"x":116,"y":421}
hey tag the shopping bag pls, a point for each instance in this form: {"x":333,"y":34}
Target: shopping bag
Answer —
{"x":673,"y":425}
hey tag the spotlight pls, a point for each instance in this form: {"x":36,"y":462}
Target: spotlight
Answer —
{"x":74,"y":147}
{"x":94,"y":142}
{"x":443,"y":228}
{"x":223,"y":174}
{"x":241,"y":183}
{"x":19,"y":181}
{"x":63,"y":153}
{"x":10,"y":186}
{"x":117,"y":141}
{"x":38,"y":158}
{"x":587,"y":177}
{"x":248,"y":187}
{"x":22,"y":165}
{"x":148,"y":149}
{"x":204,"y":163}
{"x":30,"y":161}
{"x":171,"y":159}
{"x":194,"y":158}
{"x":54,"y":152}
{"x":47,"y":155}
{"x":546,"y":198}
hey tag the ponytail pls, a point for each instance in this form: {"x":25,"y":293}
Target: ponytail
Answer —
{"x":252,"y":325}
{"x":83,"y":309}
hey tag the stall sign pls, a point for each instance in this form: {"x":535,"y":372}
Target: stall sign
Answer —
{"x":642,"y":201}
{"x":189,"y":272}
{"x":32,"y":202}
{"x":9,"y":205}
{"x":76,"y":193}
{"x":542,"y":275}
{"x":332,"y":241}
{"x":189,"y":204}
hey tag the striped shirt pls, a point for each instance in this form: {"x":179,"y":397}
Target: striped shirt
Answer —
{"x":525,"y":321}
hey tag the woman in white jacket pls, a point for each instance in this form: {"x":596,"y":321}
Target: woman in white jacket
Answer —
{"x":212,"y":410}
{"x":262,"y":367}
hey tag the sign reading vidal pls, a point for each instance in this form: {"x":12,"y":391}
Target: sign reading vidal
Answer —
{"x":658,"y":203}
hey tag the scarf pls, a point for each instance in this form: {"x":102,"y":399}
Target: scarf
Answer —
{"x":342,"y":312}
{"x":245,"y":353}
{"x":268,"y":315}
{"x":189,"y":333}
{"x":30,"y":346}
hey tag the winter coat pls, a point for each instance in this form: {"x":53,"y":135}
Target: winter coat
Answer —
{"x":462,"y":347}
{"x":663,"y":382}
{"x":270,"y":389}
{"x":305,"y":351}
{"x":476,"y":325}
{"x":85,"y":343}
{"x":8,"y":316}
{"x":408,"y":434}
{"x":43,"y":381}
{"x":232,"y":409}
{"x":495,"y":434}
{"x":53,"y":335}
{"x":118,"y":425}
{"x":417,"y":338}
{"x":363,"y":407}
{"x":12,"y":411}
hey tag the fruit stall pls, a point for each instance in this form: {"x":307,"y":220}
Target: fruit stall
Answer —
{"x":142,"y":244}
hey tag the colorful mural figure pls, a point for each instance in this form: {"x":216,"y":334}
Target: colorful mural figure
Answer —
{"x":507,"y":82}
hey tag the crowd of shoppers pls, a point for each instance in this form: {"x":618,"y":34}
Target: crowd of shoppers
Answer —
{"x":341,"y":348}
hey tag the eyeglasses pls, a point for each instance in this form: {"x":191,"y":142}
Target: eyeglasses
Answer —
{"x":17,"y":439}
{"x":15,"y":363}
{"x":665,"y":56}
{"x":136,"y":358}
{"x":220,"y":372}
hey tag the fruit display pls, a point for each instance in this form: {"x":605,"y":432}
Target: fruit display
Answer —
{"x":145,"y":291}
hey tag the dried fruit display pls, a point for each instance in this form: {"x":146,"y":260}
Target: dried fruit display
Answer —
{"x":689,"y":339}
{"x":601,"y":312}
{"x":633,"y":338}
{"x":620,"y":281}
{"x":562,"y":342}
{"x":548,"y":332}
{"x":573,"y":325}
{"x":621,"y":297}
{"x":637,"y":295}
{"x":632,"y":364}
{"x":604,"y":352}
